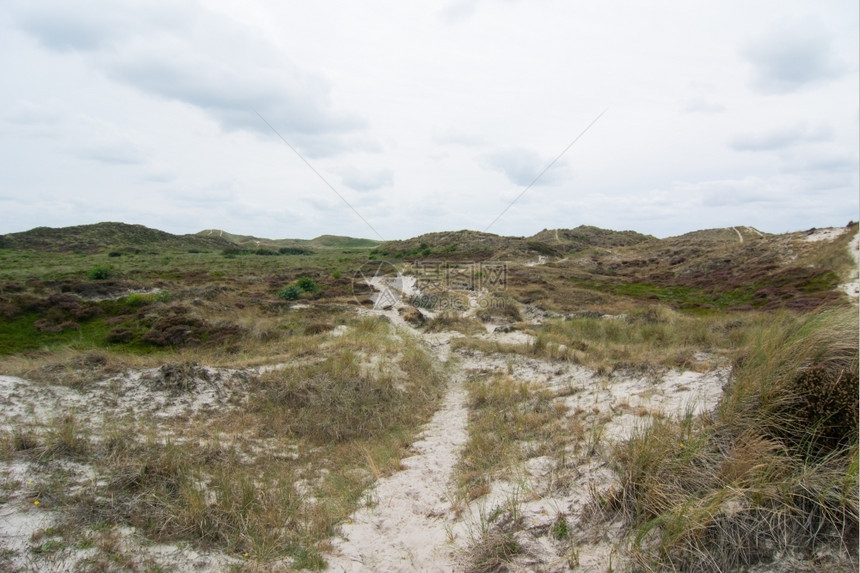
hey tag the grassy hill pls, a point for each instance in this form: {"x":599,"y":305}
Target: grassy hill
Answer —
{"x":584,"y":236}
{"x":321,"y":242}
{"x":734,"y":268}
{"x":106,"y":236}
{"x":585,"y":267}
{"x":463,"y":245}
{"x":122,"y":237}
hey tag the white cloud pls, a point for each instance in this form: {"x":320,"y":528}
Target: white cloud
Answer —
{"x":793,"y":54}
{"x":702,"y":105}
{"x":523,"y":166}
{"x":428,"y":116}
{"x":457,"y":11}
{"x":186,"y":53}
{"x":456,"y":137}
{"x":362,"y":180}
{"x":781,"y":138}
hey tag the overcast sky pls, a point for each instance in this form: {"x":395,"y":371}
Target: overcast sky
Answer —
{"x":429,"y":116}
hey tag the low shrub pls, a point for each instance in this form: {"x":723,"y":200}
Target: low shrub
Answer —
{"x":297,"y":289}
{"x":290,"y":292}
{"x":99,"y":273}
{"x":307,"y":284}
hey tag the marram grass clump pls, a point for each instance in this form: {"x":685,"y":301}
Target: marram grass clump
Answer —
{"x":772,"y":473}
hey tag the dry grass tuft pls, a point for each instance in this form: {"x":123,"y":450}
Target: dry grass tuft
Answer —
{"x":341,"y":399}
{"x":504,"y":415}
{"x":451,"y":320}
{"x":493,"y":553}
{"x":773,"y":471}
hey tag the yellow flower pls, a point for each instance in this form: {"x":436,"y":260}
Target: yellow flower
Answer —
{"x":682,"y":444}
{"x":36,"y":502}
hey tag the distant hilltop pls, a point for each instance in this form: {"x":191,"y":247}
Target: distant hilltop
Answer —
{"x":616,"y":251}
{"x":102,"y":236}
{"x":138,"y":238}
{"x":321,"y":242}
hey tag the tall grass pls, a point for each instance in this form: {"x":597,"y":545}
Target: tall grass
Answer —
{"x":773,"y":471}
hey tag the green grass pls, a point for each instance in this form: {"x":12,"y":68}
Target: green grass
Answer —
{"x":675,"y":295}
{"x":29,"y":278}
{"x":19,"y":335}
{"x":21,"y":266}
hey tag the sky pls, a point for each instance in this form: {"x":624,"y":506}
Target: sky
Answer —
{"x":387,"y":120}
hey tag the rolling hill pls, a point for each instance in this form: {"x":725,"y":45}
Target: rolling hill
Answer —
{"x":321,"y":242}
{"x":104,"y":236}
{"x":126,"y":237}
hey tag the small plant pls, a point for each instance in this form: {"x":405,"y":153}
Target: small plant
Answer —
{"x":493,"y":552}
{"x":290,"y":292}
{"x":307,"y":284}
{"x":99,"y":273}
{"x":560,"y":530}
{"x":295,"y":290}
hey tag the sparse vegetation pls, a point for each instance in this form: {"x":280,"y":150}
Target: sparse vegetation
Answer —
{"x":645,"y":338}
{"x":504,"y":414}
{"x":178,"y":479}
{"x":453,"y":320}
{"x":200,"y":406}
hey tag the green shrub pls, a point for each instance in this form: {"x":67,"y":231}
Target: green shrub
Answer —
{"x":290,"y":292}
{"x":99,"y":273}
{"x":295,"y":251}
{"x":307,"y":284}
{"x":137,"y":300}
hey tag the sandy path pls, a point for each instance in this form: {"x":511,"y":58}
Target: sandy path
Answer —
{"x":406,"y":527}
